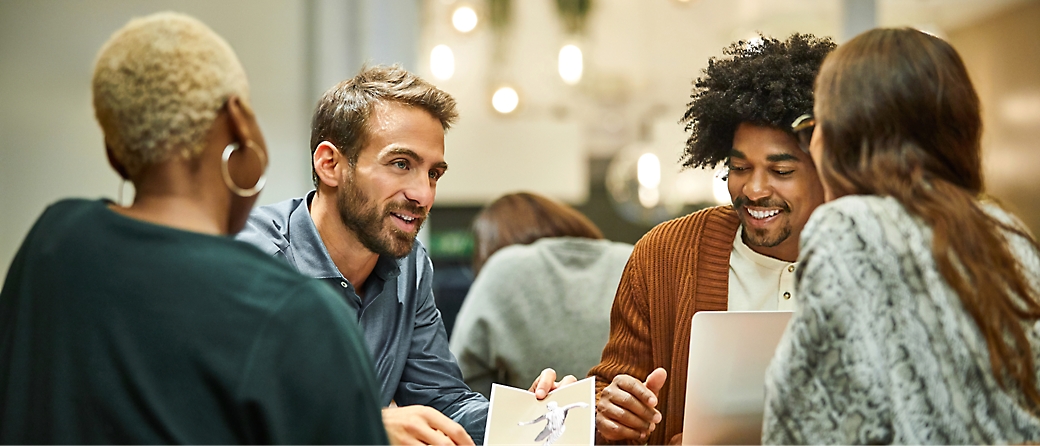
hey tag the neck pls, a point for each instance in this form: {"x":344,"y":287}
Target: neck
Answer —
{"x":174,"y":194}
{"x":354,"y":261}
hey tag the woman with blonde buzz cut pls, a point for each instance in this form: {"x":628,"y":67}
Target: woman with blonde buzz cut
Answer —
{"x":147,"y":323}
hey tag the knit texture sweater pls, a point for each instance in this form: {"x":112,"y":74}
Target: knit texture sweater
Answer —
{"x":678,"y":268}
{"x":503,"y":333}
{"x":881,"y":349}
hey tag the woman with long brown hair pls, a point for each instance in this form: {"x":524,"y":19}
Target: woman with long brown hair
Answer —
{"x":919,"y":294}
{"x":545,"y":282}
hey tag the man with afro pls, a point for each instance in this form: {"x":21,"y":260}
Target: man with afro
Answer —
{"x":737,"y":257}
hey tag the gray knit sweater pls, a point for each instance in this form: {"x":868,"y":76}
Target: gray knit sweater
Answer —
{"x":881,"y":349}
{"x":534,"y":306}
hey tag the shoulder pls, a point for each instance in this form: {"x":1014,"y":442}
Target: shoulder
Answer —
{"x":864,"y":219}
{"x":268,"y":226}
{"x":714,"y":227}
{"x":70,"y":207}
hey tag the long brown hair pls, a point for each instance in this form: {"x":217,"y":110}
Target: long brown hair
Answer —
{"x":900,"y":118}
{"x":522,"y":218}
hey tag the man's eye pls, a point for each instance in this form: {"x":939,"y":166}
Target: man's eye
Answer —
{"x":737,"y":168}
{"x":783,"y":173}
{"x":436,"y":174}
{"x":400,"y":164}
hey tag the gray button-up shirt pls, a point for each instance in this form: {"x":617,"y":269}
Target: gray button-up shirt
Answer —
{"x":402,"y":326}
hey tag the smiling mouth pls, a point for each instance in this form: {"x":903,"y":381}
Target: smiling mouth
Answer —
{"x":406,"y":218}
{"x":759,"y":215}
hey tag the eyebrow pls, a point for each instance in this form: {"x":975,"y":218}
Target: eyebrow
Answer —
{"x":774,"y":158}
{"x":779,"y":157}
{"x":415,"y":156}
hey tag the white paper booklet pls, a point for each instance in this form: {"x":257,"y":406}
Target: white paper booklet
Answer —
{"x":566,"y":417}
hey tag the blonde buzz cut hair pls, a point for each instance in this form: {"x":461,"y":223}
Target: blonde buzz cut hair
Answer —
{"x":159,"y":83}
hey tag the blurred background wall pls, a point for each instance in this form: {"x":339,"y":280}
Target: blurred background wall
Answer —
{"x":582,"y":141}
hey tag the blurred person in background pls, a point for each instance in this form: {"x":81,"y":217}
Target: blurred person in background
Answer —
{"x":736,"y":258}
{"x":920,"y":296}
{"x":149,"y":324}
{"x":377,"y":152}
{"x":534,"y":253}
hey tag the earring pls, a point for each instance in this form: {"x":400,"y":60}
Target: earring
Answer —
{"x":226,"y":173}
{"x":119,"y":197}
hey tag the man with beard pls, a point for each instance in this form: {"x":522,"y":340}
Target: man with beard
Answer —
{"x":377,"y":146}
{"x":738,"y":258}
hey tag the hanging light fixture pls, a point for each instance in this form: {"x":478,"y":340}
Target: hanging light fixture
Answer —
{"x":570,"y":64}
{"x":505,"y":100}
{"x":442,"y":62}
{"x":464,"y":19}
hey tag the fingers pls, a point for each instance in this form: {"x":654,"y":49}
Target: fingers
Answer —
{"x":544,"y":383}
{"x":450,"y":428}
{"x":422,"y":425}
{"x":627,"y":409}
{"x":613,"y":431}
{"x":655,"y":380}
{"x":569,"y":379}
{"x":676,"y":439}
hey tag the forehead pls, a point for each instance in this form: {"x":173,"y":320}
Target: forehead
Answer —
{"x":763,"y":143}
{"x":395,"y":125}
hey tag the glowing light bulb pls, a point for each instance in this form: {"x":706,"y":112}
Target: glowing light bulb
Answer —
{"x":570,"y":64}
{"x":720,"y":188}
{"x":442,"y":62}
{"x":505,"y":100}
{"x":464,"y":19}
{"x":648,"y":170}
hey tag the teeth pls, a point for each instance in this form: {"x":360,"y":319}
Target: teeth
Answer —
{"x":763,"y":214}
{"x":405,"y":218}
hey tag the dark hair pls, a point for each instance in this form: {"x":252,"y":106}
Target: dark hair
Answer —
{"x":767,"y":83}
{"x":523,"y":217}
{"x":899,"y":118}
{"x":341,"y":116}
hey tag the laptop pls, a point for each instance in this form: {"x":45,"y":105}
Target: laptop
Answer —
{"x":725,"y":384}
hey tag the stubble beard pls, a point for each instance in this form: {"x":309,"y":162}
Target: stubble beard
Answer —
{"x":368,"y":222}
{"x":766,"y":238}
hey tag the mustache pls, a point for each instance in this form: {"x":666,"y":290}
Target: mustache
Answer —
{"x":411,"y":208}
{"x":743,"y":201}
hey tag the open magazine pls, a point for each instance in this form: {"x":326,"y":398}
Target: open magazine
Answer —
{"x":567,"y":416}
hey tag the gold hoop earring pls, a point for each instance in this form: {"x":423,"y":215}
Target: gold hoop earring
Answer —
{"x":226,"y":173}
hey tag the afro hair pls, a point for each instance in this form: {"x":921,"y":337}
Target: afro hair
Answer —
{"x":768,"y":83}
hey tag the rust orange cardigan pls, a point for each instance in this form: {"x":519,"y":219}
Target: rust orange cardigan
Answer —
{"x":678,"y":268}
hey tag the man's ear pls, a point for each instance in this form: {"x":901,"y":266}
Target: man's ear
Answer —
{"x":116,"y":165}
{"x":326,"y":158}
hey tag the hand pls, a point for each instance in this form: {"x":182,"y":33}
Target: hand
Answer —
{"x":676,"y":439}
{"x":410,"y":425}
{"x":546,"y":382}
{"x":627,"y":408}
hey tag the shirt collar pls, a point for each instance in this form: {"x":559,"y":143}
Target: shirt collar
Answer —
{"x":312,"y":258}
{"x":759,"y":259}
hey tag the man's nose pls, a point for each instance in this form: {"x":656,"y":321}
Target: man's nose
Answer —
{"x":421,"y":191}
{"x":757,"y":187}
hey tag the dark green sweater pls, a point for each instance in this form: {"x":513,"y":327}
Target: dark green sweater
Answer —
{"x":113,"y":330}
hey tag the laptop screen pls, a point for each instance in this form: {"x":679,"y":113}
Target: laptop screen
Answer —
{"x":725,"y":393}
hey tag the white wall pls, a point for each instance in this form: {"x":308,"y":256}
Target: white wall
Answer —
{"x":641,"y":56}
{"x":50,"y":144}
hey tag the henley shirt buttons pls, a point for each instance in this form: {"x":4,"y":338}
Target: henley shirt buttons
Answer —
{"x":790,"y":269}
{"x":787,"y":295}
{"x":343,"y":284}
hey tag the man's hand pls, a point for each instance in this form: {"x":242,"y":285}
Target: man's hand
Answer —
{"x":627,"y":408}
{"x":546,"y":382}
{"x":410,"y":425}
